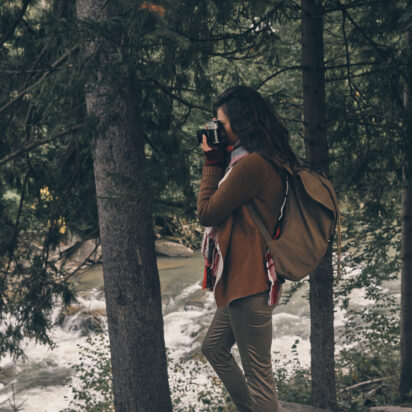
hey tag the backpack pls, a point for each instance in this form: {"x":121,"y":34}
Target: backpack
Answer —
{"x":306,"y":225}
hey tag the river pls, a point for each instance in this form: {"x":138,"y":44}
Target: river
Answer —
{"x":42,"y":382}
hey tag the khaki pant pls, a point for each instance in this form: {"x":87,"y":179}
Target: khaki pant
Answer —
{"x":248,"y":322}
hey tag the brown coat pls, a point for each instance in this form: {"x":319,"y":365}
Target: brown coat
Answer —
{"x":242,"y":246}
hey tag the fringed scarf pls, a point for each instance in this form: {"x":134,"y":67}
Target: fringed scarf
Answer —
{"x":213,"y":256}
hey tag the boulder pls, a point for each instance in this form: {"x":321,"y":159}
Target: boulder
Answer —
{"x":72,"y":241}
{"x":76,"y":318}
{"x":172,"y":249}
{"x":85,"y":252}
{"x":7,"y":374}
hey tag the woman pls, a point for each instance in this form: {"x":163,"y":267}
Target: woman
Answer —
{"x":237,"y":268}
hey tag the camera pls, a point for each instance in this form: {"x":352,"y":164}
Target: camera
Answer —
{"x":214,"y":132}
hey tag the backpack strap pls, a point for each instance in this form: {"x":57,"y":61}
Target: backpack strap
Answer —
{"x":259,"y":222}
{"x":262,"y":228}
{"x":339,"y":246}
{"x":282,"y":166}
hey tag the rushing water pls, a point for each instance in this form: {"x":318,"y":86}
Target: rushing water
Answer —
{"x":42,"y":382}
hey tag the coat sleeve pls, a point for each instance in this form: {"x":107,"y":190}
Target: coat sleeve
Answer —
{"x":245,"y":181}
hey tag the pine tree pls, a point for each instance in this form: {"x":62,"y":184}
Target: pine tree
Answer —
{"x":323,"y":390}
{"x":131,"y":279}
{"x":406,"y":269}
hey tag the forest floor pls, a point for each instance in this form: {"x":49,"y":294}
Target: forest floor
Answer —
{"x":391,"y":409}
{"x":297,"y":407}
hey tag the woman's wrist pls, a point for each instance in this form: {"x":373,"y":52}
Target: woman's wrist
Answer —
{"x":215,"y":157}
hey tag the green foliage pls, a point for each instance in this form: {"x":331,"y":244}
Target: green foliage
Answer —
{"x":93,"y":391}
{"x":367,"y":376}
{"x":372,"y":366}
{"x":94,"y":372}
{"x":46,"y":190}
{"x":185,"y":387}
{"x":364,"y":73}
{"x":292,"y":379}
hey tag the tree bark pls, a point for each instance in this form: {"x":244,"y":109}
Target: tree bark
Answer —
{"x":323,"y":391}
{"x":406,"y":269}
{"x":131,"y":279}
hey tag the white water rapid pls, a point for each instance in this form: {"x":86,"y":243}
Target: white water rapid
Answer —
{"x":42,"y":382}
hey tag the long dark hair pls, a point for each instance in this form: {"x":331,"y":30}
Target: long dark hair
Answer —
{"x":253,"y":121}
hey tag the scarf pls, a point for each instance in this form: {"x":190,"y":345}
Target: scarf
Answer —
{"x":212,"y":254}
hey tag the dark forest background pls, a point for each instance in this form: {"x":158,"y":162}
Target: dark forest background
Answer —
{"x":99,"y":106}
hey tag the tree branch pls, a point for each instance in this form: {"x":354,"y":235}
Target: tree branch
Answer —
{"x":354,"y":5}
{"x":177,"y":98}
{"x":176,"y":203}
{"x":358,"y":385}
{"x":335,"y":79}
{"x":352,"y":86}
{"x":253,"y":27}
{"x":383,"y":53}
{"x":16,"y":224}
{"x":93,"y":252}
{"x":34,"y":145}
{"x":23,"y":71}
{"x":59,"y":61}
{"x":16,"y":22}
{"x":285,"y":69}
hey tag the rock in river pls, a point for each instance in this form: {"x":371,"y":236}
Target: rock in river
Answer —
{"x":172,"y":249}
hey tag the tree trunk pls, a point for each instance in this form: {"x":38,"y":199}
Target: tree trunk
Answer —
{"x":131,"y":279}
{"x":406,"y":270}
{"x":323,"y":390}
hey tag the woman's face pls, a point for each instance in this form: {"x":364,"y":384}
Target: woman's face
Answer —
{"x":232,"y":137}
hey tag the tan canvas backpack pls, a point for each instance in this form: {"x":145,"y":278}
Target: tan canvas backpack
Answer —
{"x":306,"y":225}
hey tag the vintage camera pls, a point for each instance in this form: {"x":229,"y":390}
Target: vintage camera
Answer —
{"x":214,"y":132}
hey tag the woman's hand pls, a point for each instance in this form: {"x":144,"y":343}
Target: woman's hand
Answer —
{"x":215,"y":156}
{"x":205,"y":146}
